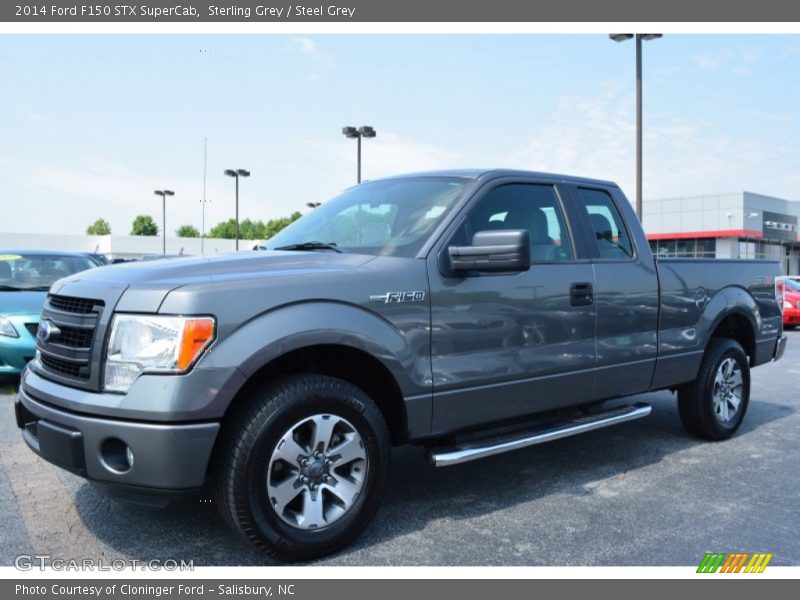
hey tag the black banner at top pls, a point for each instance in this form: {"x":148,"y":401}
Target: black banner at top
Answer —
{"x":467,"y":11}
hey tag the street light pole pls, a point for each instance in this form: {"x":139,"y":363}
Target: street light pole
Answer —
{"x":236,"y":174}
{"x":203,"y":201}
{"x":362,"y":132}
{"x":640,"y":37}
{"x":164,"y":194}
{"x":639,"y":206}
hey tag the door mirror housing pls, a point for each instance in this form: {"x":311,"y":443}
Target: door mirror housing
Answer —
{"x":505,"y":251}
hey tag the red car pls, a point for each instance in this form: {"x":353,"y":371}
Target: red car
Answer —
{"x":791,"y":303}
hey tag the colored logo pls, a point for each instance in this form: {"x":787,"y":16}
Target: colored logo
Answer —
{"x":736,"y":562}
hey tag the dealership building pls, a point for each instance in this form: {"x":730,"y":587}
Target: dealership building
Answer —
{"x":741,"y":225}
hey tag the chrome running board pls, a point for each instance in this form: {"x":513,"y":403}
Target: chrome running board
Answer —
{"x":473,"y":450}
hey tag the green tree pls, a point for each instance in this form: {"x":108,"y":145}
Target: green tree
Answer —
{"x":99,"y":227}
{"x":248,"y":229}
{"x":144,"y":225}
{"x":187,"y":231}
{"x":251,"y":230}
{"x":225,"y":230}
{"x":273,"y":226}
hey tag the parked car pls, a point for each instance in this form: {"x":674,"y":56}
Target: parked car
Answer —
{"x":791,"y":302}
{"x":152,"y":257}
{"x":25,"y":277}
{"x":100,"y":260}
{"x":471,"y":312}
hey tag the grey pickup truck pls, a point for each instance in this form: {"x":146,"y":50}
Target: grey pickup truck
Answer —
{"x":472,"y":312}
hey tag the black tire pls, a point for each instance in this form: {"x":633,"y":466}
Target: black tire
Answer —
{"x":251,"y":437}
{"x":696,"y":404}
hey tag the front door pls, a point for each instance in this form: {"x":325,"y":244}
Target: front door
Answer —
{"x":508,"y":345}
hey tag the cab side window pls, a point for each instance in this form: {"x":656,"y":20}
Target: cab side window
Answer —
{"x":613,"y":240}
{"x":526,"y":206}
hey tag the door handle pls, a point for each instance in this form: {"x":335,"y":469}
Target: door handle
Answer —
{"x":581,"y":294}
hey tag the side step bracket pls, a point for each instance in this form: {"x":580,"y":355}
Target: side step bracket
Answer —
{"x":453,"y":455}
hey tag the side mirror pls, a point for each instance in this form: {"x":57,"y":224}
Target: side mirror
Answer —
{"x":506,"y":251}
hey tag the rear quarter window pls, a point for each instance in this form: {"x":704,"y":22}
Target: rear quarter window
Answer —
{"x":608,"y":227}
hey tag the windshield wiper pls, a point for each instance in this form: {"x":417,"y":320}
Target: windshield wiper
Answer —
{"x":310,"y":246}
{"x":10,"y":288}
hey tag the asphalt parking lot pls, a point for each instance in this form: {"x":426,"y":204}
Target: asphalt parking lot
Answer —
{"x":641,"y":493}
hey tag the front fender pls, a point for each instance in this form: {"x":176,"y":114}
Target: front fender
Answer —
{"x":287,"y":328}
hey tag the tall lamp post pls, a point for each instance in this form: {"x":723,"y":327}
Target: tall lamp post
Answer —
{"x":164,"y":194}
{"x":640,"y":37}
{"x":362,"y":132}
{"x":236,"y":174}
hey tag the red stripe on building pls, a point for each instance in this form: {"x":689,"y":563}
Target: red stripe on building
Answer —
{"x":683,"y":235}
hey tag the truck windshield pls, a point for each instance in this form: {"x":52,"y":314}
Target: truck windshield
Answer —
{"x":390,"y":217}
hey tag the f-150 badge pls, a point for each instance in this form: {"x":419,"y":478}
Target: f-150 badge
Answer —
{"x":398,"y":297}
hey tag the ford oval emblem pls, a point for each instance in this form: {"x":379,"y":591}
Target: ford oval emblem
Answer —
{"x":47,"y":330}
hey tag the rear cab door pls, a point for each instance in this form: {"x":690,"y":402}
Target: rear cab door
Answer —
{"x":626,"y":291}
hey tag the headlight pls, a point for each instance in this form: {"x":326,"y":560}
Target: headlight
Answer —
{"x":161,"y":344}
{"x":787,"y":304}
{"x":7,"y":328}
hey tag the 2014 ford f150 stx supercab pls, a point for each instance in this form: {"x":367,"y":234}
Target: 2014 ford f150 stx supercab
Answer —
{"x":473,"y":312}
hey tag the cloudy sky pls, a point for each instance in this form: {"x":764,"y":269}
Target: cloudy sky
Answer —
{"x":91,"y":125}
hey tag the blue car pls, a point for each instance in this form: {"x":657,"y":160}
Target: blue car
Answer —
{"x":25,"y":277}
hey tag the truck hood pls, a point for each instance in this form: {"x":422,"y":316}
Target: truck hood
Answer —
{"x":182,"y":271}
{"x":21,"y":303}
{"x":143,"y":285}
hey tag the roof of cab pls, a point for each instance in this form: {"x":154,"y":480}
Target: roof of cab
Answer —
{"x":487,"y":174}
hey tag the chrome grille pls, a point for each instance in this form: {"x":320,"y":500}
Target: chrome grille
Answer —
{"x":64,"y":367}
{"x":75,"y":337}
{"x":67,"y":355}
{"x":68,"y":304}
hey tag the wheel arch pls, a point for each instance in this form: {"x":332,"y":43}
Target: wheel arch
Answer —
{"x":334,"y":339}
{"x":345,"y":362}
{"x":738,"y":321}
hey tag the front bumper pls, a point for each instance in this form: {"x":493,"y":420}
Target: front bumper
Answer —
{"x":791,"y":316}
{"x":167,"y":458}
{"x":780,"y":347}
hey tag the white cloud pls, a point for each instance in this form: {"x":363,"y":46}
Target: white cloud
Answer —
{"x":387,"y":154}
{"x":737,"y":61}
{"x":712,"y":60}
{"x":322,"y":62}
{"x":595,"y":137}
{"x":74,"y":194}
{"x":590,"y":136}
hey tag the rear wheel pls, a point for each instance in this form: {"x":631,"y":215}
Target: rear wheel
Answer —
{"x":713,"y":406}
{"x":302,"y":469}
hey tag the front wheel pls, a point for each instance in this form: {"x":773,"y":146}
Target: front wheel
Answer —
{"x":714,"y":404}
{"x":302,"y":469}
